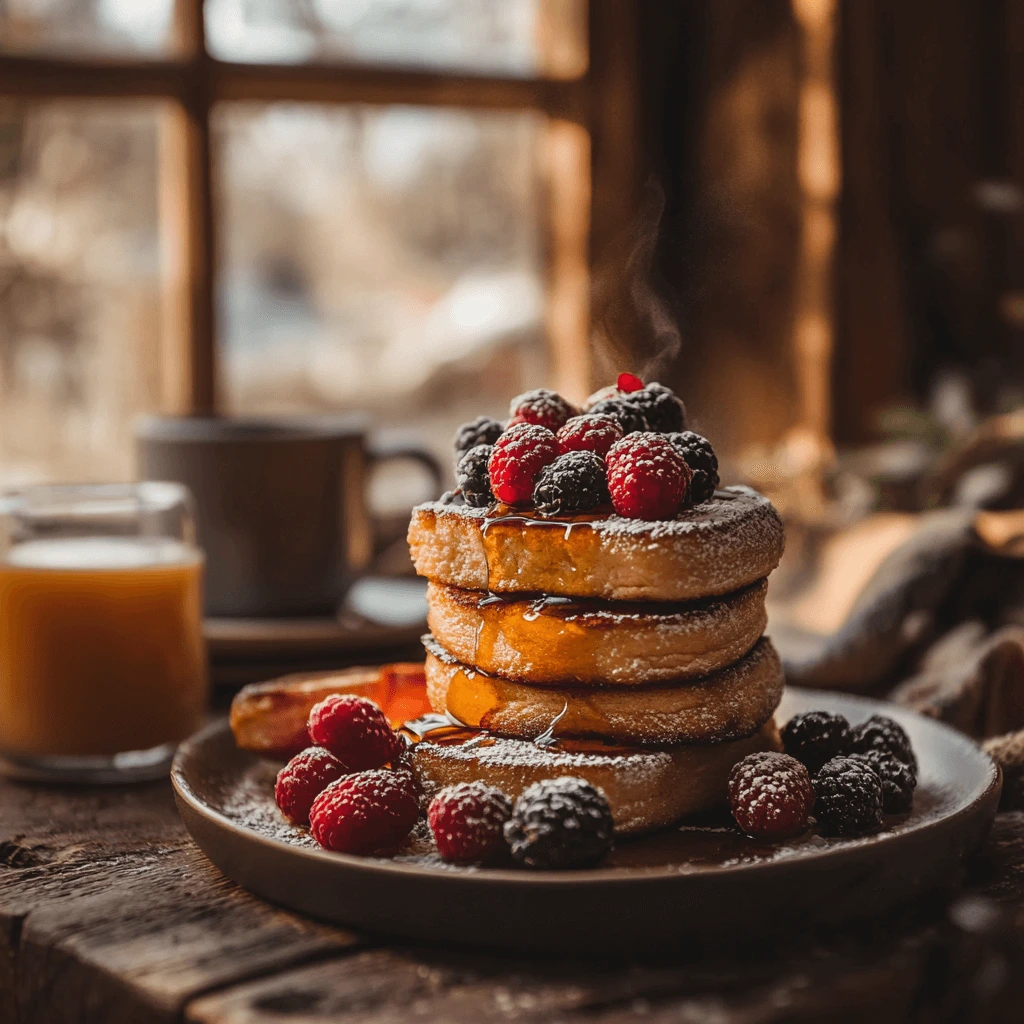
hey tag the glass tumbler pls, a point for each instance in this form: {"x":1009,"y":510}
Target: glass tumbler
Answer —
{"x":102,"y":659}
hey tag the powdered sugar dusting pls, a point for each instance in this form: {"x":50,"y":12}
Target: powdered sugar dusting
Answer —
{"x":719,"y":546}
{"x":502,"y":752}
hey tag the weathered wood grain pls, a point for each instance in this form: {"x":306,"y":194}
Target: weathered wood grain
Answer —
{"x":109,"y":913}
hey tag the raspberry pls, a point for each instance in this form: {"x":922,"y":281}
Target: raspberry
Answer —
{"x":353,"y":729}
{"x":701,"y":458}
{"x":849,"y":797}
{"x":574,"y":482}
{"x":303,"y":779}
{"x":543,"y":407}
{"x":471,"y":476}
{"x":647,"y":477}
{"x":482,"y":430}
{"x":366,"y":812}
{"x":560,"y":823}
{"x":816,"y":737}
{"x":630,"y":417}
{"x":629,"y":382}
{"x":662,"y":408}
{"x":882,"y":733}
{"x":591,"y":432}
{"x":898,"y":779}
{"x":467,"y":820}
{"x":518,"y":456}
{"x":770,"y":795}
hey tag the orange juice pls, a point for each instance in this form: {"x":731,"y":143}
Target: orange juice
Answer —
{"x":101,"y":645}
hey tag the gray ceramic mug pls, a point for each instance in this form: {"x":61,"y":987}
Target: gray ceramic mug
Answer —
{"x":280,"y":504}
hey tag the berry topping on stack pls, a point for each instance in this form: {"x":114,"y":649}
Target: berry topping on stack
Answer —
{"x":473,"y":477}
{"x":647,"y":477}
{"x":591,"y":432}
{"x":662,"y":409}
{"x":482,"y":430}
{"x":517,"y":452}
{"x":543,"y":407}
{"x":700,"y":457}
{"x":574,"y":482}
{"x":517,"y":458}
{"x":629,"y":416}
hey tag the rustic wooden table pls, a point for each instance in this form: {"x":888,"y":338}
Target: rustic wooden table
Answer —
{"x":109,"y":914}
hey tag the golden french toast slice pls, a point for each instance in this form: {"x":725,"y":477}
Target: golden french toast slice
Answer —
{"x":717,"y":547}
{"x":646,"y":789}
{"x":552,"y":640}
{"x":726,"y":705}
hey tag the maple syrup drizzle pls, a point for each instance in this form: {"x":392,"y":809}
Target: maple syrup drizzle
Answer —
{"x":447,"y":731}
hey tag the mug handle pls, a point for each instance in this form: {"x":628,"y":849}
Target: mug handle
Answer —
{"x":386,"y":451}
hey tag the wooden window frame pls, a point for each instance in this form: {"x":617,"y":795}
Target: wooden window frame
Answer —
{"x":590,"y":158}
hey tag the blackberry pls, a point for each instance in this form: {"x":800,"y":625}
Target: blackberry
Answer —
{"x":816,"y":737}
{"x":882,"y":733}
{"x":848,"y":797}
{"x":701,"y":458}
{"x":574,"y":482}
{"x":560,"y":823}
{"x":482,"y":430}
{"x":898,"y":779}
{"x":631,"y":417}
{"x":662,"y":408}
{"x":472,"y":478}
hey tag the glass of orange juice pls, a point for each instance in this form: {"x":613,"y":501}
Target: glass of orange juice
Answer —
{"x":102,"y":661}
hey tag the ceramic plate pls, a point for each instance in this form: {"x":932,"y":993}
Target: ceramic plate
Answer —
{"x":681,"y":884}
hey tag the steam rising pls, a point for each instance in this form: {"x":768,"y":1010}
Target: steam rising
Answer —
{"x":635,"y":327}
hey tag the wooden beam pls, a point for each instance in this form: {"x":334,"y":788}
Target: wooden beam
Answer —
{"x":819,"y":175}
{"x":614,"y":121}
{"x":49,"y":78}
{"x":313,"y":83}
{"x":301,"y":83}
{"x":187,"y":231}
{"x":567,"y":166}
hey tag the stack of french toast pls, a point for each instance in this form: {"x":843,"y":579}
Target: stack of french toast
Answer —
{"x":597,"y":607}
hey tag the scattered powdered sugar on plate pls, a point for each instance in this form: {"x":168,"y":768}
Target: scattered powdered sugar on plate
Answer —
{"x":249,"y":802}
{"x":247,"y":799}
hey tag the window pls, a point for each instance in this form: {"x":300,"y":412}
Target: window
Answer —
{"x":291,"y":205}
